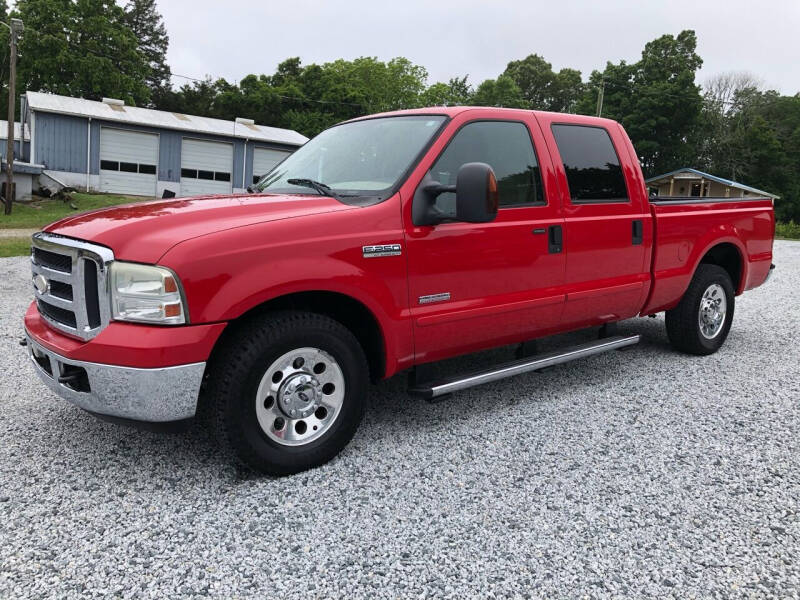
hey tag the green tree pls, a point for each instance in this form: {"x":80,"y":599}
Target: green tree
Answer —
{"x":457,"y":92}
{"x":146,"y":23}
{"x":760,"y":146}
{"x":665,"y":113}
{"x":80,"y":48}
{"x":309,"y":98}
{"x":503,"y":92}
{"x":374,"y":85}
{"x":615,"y":81}
{"x":656,"y":100}
{"x":543,"y":88}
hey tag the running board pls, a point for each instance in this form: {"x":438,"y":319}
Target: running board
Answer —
{"x":448,"y":385}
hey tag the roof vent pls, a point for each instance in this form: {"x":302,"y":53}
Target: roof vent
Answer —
{"x":114,"y":104}
{"x":249,"y":123}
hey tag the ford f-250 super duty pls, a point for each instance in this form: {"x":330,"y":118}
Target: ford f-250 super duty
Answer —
{"x":384,"y":244}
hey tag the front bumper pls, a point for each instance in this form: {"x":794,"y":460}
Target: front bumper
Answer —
{"x":153,"y":395}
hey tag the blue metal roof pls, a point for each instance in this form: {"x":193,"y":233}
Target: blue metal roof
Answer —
{"x":721,"y":180}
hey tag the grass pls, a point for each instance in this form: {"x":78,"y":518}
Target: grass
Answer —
{"x":37,"y":214}
{"x":787,"y":231}
{"x":15,"y":247}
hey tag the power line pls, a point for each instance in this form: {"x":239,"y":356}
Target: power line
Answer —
{"x":630,"y":88}
{"x":605,"y":84}
{"x":196,"y":79}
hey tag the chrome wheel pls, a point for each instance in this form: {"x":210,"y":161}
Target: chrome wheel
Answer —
{"x":713,"y":307}
{"x":300,"y":396}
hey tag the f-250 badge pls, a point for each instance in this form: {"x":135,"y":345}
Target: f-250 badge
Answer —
{"x":381,"y":250}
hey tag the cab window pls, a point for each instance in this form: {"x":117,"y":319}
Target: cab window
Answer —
{"x":593,"y":170}
{"x":505,"y":146}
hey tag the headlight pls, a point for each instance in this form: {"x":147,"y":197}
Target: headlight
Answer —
{"x":145,"y":294}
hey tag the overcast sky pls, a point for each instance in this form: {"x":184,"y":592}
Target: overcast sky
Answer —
{"x":231,"y":38}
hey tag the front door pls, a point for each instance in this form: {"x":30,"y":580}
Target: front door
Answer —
{"x":474,"y":286}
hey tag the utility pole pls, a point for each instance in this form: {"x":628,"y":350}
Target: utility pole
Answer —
{"x":600,"y":99}
{"x":15,"y":29}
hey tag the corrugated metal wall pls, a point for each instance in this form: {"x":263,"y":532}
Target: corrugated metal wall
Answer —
{"x":24,"y":157}
{"x":60,"y":142}
{"x":61,"y":146}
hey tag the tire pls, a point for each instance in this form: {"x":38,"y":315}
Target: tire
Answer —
{"x":274,"y":359}
{"x":692,"y":332}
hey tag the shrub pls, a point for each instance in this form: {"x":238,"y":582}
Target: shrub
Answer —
{"x":790,"y":230}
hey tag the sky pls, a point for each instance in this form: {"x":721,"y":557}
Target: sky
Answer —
{"x":452,"y":38}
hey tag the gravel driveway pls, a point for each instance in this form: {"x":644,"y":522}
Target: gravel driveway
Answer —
{"x":642,"y":473}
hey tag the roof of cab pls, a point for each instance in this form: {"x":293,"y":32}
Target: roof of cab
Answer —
{"x":453,"y":111}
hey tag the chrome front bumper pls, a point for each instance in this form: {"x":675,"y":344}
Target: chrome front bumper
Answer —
{"x":153,"y":395}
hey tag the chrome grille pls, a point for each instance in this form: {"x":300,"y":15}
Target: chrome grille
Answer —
{"x":74,"y":298}
{"x":53,"y":260}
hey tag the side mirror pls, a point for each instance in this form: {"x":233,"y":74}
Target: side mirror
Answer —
{"x":476,"y":197}
{"x":476,"y":193}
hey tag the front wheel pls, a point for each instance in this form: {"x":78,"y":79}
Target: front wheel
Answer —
{"x":701,"y":321}
{"x":287,"y":391}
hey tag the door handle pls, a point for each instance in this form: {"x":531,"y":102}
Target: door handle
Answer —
{"x":555,"y":239}
{"x":637,"y":231}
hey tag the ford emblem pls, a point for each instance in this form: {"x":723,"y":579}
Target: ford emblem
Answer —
{"x":41,"y":284}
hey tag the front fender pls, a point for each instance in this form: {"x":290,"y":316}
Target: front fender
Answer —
{"x":228,"y":273}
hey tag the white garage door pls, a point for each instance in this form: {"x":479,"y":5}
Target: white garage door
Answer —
{"x":264,"y":159}
{"x":128,"y":162}
{"x":205,"y":167}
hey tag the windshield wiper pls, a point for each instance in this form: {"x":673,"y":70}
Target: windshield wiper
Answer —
{"x":321,"y":188}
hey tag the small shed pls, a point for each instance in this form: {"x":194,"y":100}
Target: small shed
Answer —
{"x":691,"y":182}
{"x":25,"y":175}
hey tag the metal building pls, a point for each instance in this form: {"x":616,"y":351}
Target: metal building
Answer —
{"x":110,"y":147}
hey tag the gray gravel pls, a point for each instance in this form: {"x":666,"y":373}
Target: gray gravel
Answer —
{"x":643,"y":473}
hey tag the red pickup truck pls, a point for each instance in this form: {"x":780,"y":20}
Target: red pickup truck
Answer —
{"x":385,"y":243}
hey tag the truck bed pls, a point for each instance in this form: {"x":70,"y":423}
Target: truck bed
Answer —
{"x":686,"y":228}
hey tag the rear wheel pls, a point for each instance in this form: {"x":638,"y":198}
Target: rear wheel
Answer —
{"x":701,"y":321}
{"x":287,"y":391}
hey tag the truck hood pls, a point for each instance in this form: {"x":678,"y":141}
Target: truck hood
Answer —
{"x":143,"y":232}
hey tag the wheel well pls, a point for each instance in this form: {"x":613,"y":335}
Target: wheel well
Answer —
{"x":349,"y":312}
{"x":726,"y":256}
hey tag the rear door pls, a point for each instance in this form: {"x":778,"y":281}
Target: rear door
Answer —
{"x":607,"y":230}
{"x":474,"y":285}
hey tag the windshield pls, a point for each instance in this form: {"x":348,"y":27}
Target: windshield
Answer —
{"x":362,"y":158}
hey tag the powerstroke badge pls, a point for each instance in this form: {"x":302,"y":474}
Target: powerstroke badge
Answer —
{"x":443,"y":297}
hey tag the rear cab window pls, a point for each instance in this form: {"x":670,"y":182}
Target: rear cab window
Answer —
{"x":593,"y":169}
{"x":507,"y":147}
